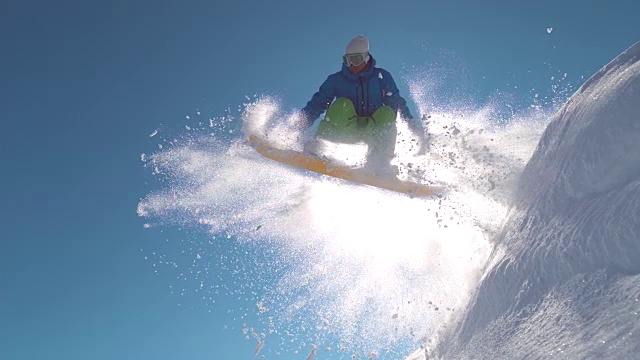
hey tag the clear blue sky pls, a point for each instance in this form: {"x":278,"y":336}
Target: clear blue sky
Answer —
{"x":83,"y":83}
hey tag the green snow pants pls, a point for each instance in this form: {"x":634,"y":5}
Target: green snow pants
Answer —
{"x":342,"y":124}
{"x":378,"y":131}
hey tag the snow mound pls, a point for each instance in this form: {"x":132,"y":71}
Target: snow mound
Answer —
{"x":563,"y":278}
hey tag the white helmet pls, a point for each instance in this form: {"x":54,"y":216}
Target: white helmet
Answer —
{"x":358,"y":45}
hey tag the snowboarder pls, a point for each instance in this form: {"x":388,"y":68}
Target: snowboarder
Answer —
{"x":367,"y":104}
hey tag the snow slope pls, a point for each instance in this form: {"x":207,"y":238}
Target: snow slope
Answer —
{"x":564,"y":277}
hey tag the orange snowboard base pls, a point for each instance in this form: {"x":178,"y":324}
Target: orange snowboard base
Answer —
{"x":320,"y":166}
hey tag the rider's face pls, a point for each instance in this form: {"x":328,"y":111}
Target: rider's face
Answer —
{"x":357,"y":69}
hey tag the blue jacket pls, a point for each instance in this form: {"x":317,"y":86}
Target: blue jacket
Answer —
{"x":369,"y":90}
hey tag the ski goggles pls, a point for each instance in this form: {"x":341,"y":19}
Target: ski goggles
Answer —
{"x":355,"y":59}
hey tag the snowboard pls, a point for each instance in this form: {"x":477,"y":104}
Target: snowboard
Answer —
{"x":325,"y":167}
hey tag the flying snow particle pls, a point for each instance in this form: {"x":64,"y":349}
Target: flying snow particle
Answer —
{"x":549,"y":30}
{"x":153,"y":133}
{"x":312,"y":355}
{"x":258,"y":348}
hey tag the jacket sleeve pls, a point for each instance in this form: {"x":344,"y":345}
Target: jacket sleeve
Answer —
{"x":319,"y":102}
{"x":391,"y":96}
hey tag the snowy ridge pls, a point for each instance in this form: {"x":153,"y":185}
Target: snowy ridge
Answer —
{"x":565,"y":273}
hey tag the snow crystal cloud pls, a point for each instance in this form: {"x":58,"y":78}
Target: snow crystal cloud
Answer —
{"x":347,"y":257}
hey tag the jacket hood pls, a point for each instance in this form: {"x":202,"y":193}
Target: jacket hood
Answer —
{"x":364,"y":74}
